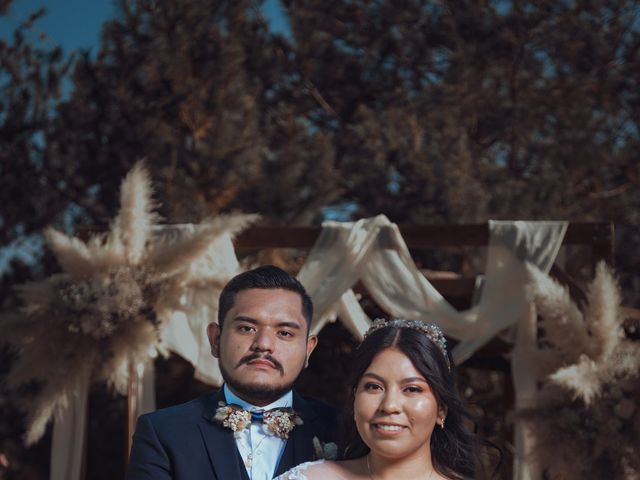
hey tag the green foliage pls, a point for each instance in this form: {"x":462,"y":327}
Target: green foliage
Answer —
{"x":30,"y":82}
{"x":187,"y":85}
{"x":474,"y":110}
{"x":425,"y":111}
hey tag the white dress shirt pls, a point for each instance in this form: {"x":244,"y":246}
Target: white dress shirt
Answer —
{"x":260,"y":451}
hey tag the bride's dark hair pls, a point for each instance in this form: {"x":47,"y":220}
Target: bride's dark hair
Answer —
{"x":453,"y":448}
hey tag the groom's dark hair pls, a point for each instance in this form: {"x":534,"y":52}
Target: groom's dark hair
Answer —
{"x":266,"y":277}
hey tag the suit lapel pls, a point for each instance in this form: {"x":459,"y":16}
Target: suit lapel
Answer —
{"x":299,"y":447}
{"x":220,"y":443}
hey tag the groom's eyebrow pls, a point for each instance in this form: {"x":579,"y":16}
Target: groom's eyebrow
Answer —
{"x":253,"y":321}
{"x":242,"y":318}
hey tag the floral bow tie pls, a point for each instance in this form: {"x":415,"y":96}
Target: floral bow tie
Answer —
{"x":278,"y":421}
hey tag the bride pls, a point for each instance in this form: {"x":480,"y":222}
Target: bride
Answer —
{"x":408,"y":416}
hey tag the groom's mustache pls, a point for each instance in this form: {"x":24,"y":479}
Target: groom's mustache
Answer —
{"x":260,"y":356}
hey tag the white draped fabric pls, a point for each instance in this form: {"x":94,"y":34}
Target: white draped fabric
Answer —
{"x":186,"y":329}
{"x":67,"y":444}
{"x":525,"y":465}
{"x":374,"y":252}
{"x":371,"y":251}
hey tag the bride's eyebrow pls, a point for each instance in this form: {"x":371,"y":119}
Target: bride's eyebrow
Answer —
{"x":374,"y":376}
{"x":403,"y":381}
{"x":414,"y":379}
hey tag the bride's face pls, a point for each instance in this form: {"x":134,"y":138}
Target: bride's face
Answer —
{"x":395,"y":410}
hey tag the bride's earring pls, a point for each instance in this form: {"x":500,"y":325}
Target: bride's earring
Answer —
{"x":442,"y":422}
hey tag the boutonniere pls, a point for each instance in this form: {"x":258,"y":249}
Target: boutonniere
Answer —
{"x":326,"y":451}
{"x":232,"y":416}
{"x":278,"y":421}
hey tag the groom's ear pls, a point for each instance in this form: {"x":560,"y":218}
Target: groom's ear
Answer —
{"x":213,"y":332}
{"x":312,"y":342}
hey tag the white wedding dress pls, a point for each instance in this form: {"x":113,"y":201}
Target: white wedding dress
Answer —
{"x":297,"y":473}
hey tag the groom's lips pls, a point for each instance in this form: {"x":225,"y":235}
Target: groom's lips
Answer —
{"x":261,"y":363}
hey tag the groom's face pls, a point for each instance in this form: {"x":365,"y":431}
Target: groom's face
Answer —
{"x":263,"y":345}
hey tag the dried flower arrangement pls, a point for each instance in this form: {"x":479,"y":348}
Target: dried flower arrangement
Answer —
{"x":232,"y":416}
{"x":586,"y":422}
{"x":277,"y":421}
{"x":107,"y":309}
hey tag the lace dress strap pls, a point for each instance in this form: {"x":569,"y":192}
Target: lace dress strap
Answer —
{"x":297,"y":473}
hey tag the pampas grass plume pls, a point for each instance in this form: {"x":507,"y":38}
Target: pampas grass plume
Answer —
{"x":71,"y":253}
{"x":105,"y":312}
{"x":563,"y":322}
{"x":602,"y":313}
{"x":132,"y":225}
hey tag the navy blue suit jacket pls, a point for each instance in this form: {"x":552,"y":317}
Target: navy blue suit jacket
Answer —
{"x":183,"y":443}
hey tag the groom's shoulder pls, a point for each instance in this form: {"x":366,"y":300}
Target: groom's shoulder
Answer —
{"x":323,"y":409}
{"x":193,"y":409}
{"x":323,"y":420}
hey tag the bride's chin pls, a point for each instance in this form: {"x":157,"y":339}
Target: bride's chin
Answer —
{"x":390,"y":453}
{"x":396,"y":450}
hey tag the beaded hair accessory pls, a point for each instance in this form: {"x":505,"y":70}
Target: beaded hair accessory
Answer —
{"x":431,"y":330}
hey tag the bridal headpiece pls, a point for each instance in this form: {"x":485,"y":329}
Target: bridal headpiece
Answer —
{"x":431,"y":330}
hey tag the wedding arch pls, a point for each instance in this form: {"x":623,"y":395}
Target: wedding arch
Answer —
{"x":374,"y":253}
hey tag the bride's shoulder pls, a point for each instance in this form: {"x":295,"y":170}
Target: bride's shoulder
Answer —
{"x":318,"y":470}
{"x":304,"y":471}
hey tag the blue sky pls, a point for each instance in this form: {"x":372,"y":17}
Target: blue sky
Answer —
{"x":76,"y":24}
{"x":70,"y":23}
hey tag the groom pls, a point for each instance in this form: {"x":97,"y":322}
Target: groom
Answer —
{"x":262,"y":342}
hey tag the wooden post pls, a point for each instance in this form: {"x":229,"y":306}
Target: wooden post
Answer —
{"x":604,"y":245}
{"x":132,"y":401}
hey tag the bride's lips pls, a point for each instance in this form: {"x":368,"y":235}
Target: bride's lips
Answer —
{"x":388,"y":429}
